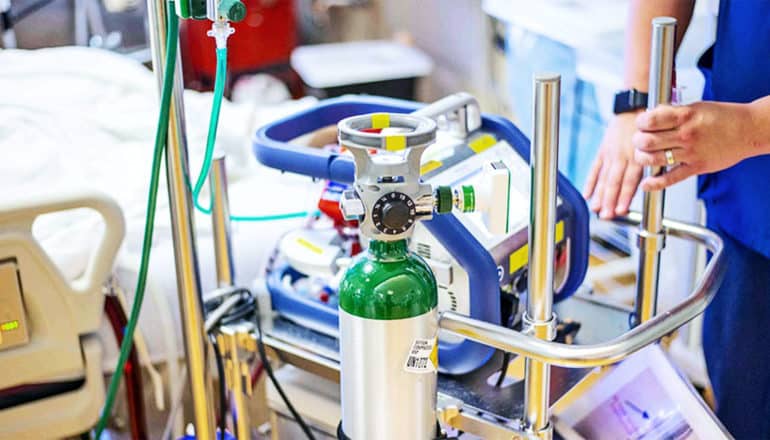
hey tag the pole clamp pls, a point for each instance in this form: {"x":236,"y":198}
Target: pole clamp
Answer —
{"x":645,"y":239}
{"x":231,"y":339}
{"x":540,"y":329}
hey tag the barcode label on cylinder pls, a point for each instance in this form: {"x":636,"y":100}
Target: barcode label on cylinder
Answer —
{"x":422,"y":357}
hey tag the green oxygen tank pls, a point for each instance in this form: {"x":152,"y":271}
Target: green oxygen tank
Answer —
{"x":389,"y":329}
{"x":388,"y":296}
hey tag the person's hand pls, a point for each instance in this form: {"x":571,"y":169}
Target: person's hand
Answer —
{"x":703,"y":137}
{"x":614,"y":176}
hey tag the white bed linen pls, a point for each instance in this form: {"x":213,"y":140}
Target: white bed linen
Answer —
{"x":75,"y":117}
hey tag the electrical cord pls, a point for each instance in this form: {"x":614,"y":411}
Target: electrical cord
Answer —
{"x":161,"y":132}
{"x":133,"y":371}
{"x":269,"y":370}
{"x":507,"y":356}
{"x":222,"y":388}
{"x":245,"y":308}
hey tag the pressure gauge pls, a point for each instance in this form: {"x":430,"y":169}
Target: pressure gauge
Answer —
{"x":394,"y":213}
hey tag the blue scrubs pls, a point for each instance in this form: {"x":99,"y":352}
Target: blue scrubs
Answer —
{"x":736,"y":335}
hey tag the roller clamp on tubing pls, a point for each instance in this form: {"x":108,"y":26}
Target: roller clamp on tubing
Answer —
{"x":214,"y":10}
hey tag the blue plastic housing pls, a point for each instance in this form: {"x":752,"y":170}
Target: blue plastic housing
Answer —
{"x":272,"y":148}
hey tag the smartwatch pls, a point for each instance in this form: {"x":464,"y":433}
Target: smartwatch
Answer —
{"x":629,"y":100}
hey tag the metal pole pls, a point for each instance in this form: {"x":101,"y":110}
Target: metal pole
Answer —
{"x":539,"y":317}
{"x":232,"y":339}
{"x":220,"y":222}
{"x":237,"y":370}
{"x":186,"y":261}
{"x":651,"y":237}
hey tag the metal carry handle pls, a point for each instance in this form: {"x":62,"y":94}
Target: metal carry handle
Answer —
{"x":460,"y":111}
{"x":614,"y":350}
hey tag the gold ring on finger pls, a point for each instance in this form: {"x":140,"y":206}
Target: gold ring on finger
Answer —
{"x":670,"y":158}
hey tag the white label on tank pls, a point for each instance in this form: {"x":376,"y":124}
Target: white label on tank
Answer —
{"x":422,"y":357}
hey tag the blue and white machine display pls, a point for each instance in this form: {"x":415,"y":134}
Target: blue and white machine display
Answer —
{"x":479,"y":258}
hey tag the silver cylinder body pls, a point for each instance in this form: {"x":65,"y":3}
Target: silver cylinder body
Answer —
{"x":539,"y":316}
{"x":185,"y":258}
{"x":651,"y":239}
{"x":220,"y":222}
{"x":381,"y":398}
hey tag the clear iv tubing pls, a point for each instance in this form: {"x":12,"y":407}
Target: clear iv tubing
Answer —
{"x":160,"y":143}
{"x":219,"y":88}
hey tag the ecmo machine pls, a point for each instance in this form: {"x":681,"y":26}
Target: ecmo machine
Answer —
{"x":479,"y":258}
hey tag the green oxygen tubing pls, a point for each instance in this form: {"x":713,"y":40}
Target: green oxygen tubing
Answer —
{"x":152,"y":198}
{"x":160,"y":145}
{"x":219,"y":88}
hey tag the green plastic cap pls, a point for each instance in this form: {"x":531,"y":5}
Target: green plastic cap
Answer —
{"x":232,"y":10}
{"x":467,"y":199}
{"x":444,"y":199}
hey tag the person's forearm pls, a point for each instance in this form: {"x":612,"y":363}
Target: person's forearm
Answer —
{"x":759,"y":141}
{"x":638,"y":35}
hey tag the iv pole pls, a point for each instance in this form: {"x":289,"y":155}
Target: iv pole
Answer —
{"x":185,"y":257}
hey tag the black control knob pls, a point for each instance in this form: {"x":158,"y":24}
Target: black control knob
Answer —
{"x":393,"y":213}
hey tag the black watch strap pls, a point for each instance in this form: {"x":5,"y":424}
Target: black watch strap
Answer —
{"x":629,"y":100}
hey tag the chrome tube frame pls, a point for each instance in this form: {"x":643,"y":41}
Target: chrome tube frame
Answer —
{"x":220,"y":222}
{"x":612,"y":351}
{"x":539,"y":319}
{"x":183,"y":232}
{"x":651,"y":237}
{"x":230,"y":337}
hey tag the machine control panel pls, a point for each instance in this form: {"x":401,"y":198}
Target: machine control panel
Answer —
{"x":13,"y":325}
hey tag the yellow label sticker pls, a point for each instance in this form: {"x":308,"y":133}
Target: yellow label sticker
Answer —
{"x":308,"y":245}
{"x":434,"y":354}
{"x":518,"y":259}
{"x":395,"y":142}
{"x":429,"y":166}
{"x":380,"y":120}
{"x":482,"y":143}
{"x":520,"y":256}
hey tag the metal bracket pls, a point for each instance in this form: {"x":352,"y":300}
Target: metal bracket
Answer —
{"x":650,"y":240}
{"x":451,"y":412}
{"x":233,"y":340}
{"x":539,"y":329}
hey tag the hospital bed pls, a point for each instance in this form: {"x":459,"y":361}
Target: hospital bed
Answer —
{"x":73,"y":118}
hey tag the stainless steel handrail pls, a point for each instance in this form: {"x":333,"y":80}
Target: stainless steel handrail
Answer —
{"x":651,"y":240}
{"x":539,"y":320}
{"x":614,"y":350}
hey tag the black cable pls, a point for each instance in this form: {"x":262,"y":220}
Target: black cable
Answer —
{"x":222,"y":388}
{"x":503,"y":369}
{"x":271,"y":375}
{"x":507,"y":356}
{"x":247,"y":308}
